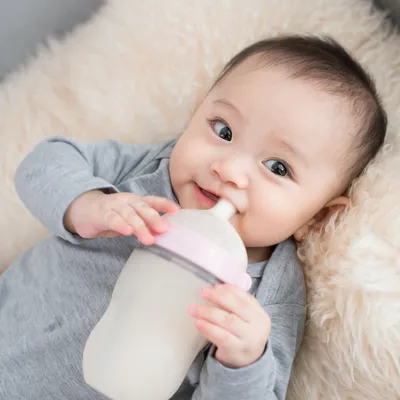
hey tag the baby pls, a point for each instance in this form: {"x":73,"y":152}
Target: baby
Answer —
{"x":283,"y":132}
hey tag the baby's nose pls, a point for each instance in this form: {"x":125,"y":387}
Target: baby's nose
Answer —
{"x":233,"y":170}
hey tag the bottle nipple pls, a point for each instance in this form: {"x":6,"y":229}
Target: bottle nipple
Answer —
{"x":224,"y":209}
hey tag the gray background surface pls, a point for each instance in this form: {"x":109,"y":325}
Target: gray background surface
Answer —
{"x":393,"y":6}
{"x":26,"y":23}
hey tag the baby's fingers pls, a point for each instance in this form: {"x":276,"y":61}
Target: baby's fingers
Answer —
{"x":114,"y":222}
{"x":161,"y":204}
{"x":150,"y":217}
{"x":128,"y":224}
{"x":137,"y":224}
{"x":218,"y":335}
{"x":225,"y":320}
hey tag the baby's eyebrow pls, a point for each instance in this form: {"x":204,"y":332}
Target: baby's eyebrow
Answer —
{"x":291,"y":149}
{"x":226,"y":103}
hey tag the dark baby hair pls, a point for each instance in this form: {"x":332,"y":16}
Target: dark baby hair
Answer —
{"x":326,"y":64}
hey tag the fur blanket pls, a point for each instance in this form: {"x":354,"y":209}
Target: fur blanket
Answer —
{"x":137,"y":70}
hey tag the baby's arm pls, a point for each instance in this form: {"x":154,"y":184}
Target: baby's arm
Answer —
{"x":268,"y":377}
{"x":59,"y":170}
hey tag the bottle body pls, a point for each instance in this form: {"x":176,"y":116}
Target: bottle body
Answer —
{"x":143,"y":346}
{"x":146,"y":341}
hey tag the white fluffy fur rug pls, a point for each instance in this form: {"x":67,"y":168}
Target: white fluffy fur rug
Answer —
{"x":137,"y":70}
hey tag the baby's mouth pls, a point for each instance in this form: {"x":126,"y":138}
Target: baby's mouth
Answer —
{"x":210,"y":195}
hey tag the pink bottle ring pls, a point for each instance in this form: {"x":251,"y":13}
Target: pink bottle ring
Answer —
{"x":204,"y":253}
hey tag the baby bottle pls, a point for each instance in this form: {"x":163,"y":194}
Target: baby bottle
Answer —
{"x":143,"y":346}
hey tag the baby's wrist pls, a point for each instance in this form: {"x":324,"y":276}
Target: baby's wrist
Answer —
{"x":77,"y":205}
{"x":244,"y":361}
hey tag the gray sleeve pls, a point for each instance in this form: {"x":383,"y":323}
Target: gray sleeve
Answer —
{"x":60,"y":169}
{"x":267,"y":378}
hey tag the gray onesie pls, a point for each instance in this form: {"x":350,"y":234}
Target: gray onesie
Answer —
{"x":53,"y":294}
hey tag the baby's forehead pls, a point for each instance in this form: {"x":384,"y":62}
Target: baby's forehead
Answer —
{"x":253,"y":76}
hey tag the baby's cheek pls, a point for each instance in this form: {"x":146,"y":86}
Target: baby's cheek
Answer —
{"x":253,"y":230}
{"x":268,"y":227}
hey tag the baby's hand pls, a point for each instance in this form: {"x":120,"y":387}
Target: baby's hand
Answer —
{"x":95,"y":214}
{"x":235,"y":322}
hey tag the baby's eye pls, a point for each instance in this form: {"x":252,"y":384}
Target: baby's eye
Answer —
{"x":277,"y":167}
{"x":222,"y":130}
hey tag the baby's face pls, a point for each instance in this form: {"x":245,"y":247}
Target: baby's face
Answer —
{"x":271,"y":145}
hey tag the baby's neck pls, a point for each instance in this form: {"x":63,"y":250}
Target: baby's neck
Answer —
{"x":257,"y":254}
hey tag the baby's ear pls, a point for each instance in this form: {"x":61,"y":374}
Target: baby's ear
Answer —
{"x":322,"y":217}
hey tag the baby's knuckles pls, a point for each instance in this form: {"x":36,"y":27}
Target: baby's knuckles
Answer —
{"x":229,"y":320}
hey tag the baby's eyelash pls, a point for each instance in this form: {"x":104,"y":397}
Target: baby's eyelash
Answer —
{"x":219,"y":119}
{"x":289,"y":169}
